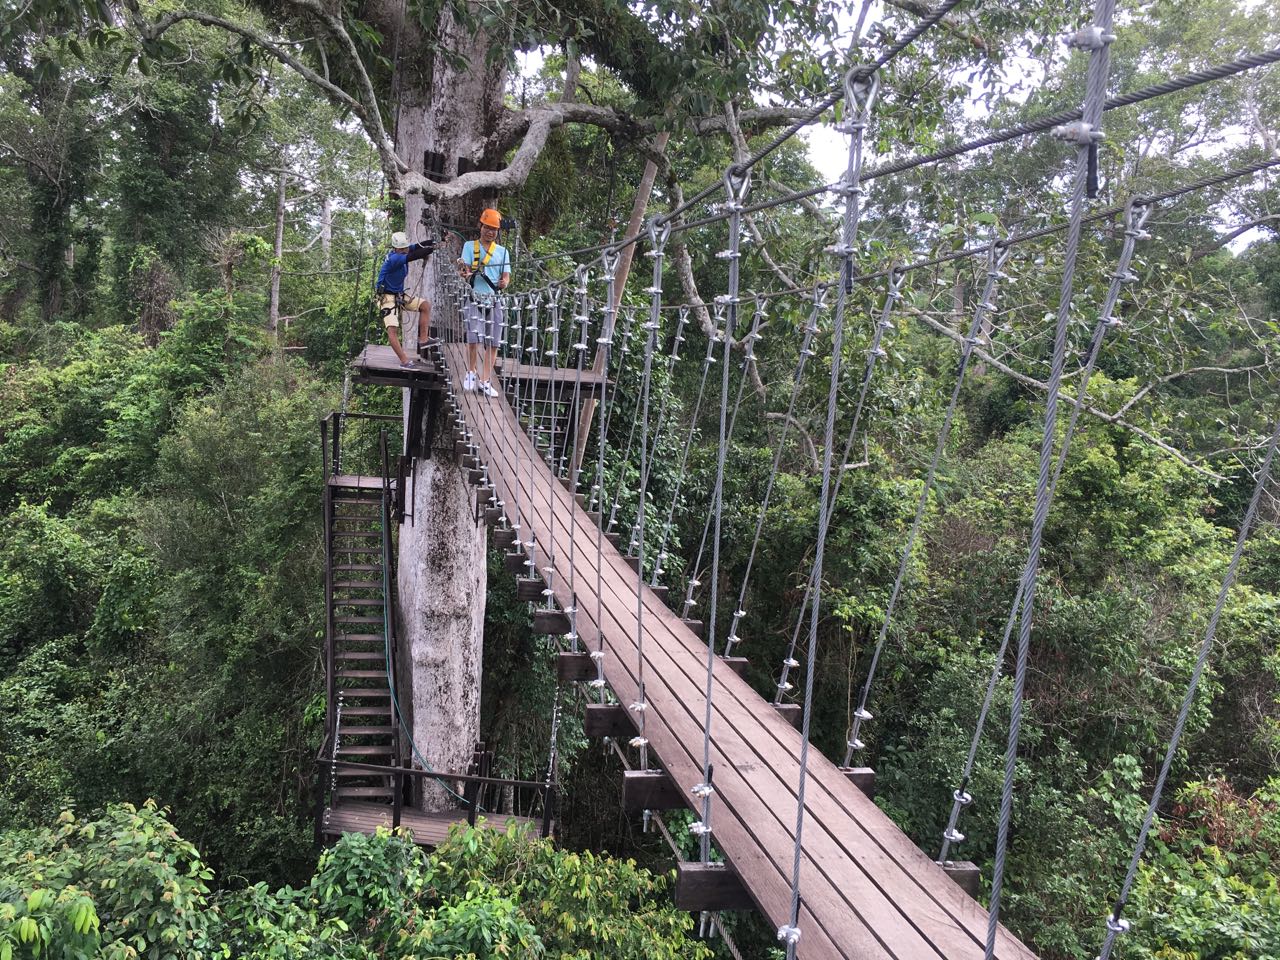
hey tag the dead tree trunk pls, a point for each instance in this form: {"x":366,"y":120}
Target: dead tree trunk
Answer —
{"x":442,"y":556}
{"x":277,"y":256}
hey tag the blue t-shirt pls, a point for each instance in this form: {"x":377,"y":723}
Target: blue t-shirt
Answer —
{"x":396,"y":267}
{"x":499,"y":263}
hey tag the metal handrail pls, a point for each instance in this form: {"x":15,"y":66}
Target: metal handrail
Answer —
{"x":388,"y":625}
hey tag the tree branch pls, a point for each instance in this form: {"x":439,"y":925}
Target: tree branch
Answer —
{"x":1111,"y":418}
{"x":1202,"y":252}
{"x":810,"y":448}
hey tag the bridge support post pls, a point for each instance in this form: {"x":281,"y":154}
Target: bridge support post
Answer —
{"x":864,"y":778}
{"x":966,"y":875}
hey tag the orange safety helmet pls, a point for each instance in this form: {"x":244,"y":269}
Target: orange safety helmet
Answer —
{"x":491,"y":218}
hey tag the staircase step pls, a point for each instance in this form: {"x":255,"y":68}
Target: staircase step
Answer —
{"x":361,"y":675}
{"x":358,"y":567}
{"x":357,"y":619}
{"x":367,"y":711}
{"x":374,"y":498}
{"x":365,"y":731}
{"x":355,"y":602}
{"x":350,"y":551}
{"x":365,"y":750}
{"x":358,"y":584}
{"x":354,"y":693}
{"x":376,"y":792}
{"x":360,"y":655}
{"x":360,"y":637}
{"x":358,"y":533}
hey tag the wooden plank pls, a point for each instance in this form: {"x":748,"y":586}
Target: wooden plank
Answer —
{"x":694,"y":627}
{"x":552,"y":622}
{"x":529,"y":589}
{"x":793,"y":713}
{"x":709,"y":886}
{"x":607,"y":720}
{"x":575,"y":667}
{"x":737,"y":664}
{"x":864,"y":778}
{"x":505,"y":539}
{"x":513,"y":562}
{"x":747,"y":734}
{"x":650,"y":790}
{"x":966,"y":875}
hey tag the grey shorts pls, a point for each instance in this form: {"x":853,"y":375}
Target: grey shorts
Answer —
{"x":483,"y":323}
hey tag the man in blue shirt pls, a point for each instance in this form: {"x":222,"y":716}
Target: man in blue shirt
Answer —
{"x":486,"y":267}
{"x":392,"y":298}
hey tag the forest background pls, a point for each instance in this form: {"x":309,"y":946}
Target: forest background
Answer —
{"x":188,"y":235}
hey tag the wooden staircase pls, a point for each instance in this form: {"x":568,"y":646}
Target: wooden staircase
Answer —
{"x":361,"y":720}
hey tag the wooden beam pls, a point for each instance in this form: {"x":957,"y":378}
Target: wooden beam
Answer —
{"x":737,"y":664}
{"x":710,"y":886}
{"x":553,"y":622}
{"x":607,"y":720}
{"x":634,"y":561}
{"x":864,"y":778}
{"x":650,"y":790}
{"x":614,"y":538}
{"x":966,"y":875}
{"x":694,"y":625}
{"x":575,"y":667}
{"x":493,"y":515}
{"x":513,"y":562}
{"x":529,"y":589}
{"x":505,"y":539}
{"x":793,"y":713}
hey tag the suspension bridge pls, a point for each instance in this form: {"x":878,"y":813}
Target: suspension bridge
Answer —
{"x":780,"y":827}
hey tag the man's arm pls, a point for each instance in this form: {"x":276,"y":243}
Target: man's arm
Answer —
{"x":420,"y":251}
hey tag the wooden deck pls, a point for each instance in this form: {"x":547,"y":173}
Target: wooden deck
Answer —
{"x":377,"y":363}
{"x":428,"y":829}
{"x":867,"y":891}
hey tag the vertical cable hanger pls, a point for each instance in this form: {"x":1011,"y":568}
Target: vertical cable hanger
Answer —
{"x":583,"y":318}
{"x":659,"y":232}
{"x":1135,"y":217}
{"x":604,"y":343}
{"x":860,"y":95}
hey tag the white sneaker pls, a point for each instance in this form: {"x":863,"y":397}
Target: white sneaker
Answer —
{"x":469,"y":381}
{"x":488,"y":390}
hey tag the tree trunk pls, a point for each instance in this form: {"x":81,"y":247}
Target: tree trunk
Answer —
{"x":277,"y":256}
{"x":326,"y":232}
{"x":442,"y":575}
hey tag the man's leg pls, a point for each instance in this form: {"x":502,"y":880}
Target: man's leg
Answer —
{"x":424,"y":325}
{"x":393,"y":337}
{"x":491,"y":361}
{"x":471,"y":358}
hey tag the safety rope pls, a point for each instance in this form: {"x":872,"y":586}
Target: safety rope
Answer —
{"x":1135,"y":219}
{"x":860,"y":95}
{"x":1116,"y":924}
{"x":628,"y":322}
{"x":1085,"y":133}
{"x":996,"y":261}
{"x":806,"y":351}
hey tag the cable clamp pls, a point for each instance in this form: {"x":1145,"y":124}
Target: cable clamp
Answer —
{"x":638,"y":706}
{"x":1111,"y":323}
{"x":789,"y":935}
{"x":732,"y":639}
{"x":863,"y":714}
{"x":728,"y":255}
{"x":638,"y":742}
{"x":1092,"y":37}
{"x":653,"y":291}
{"x":699,"y":829}
{"x":580,"y":347}
{"x":856,"y":744}
{"x":841,"y":249}
{"x":879,"y":353}
{"x":604,"y":341}
{"x":791,"y":663}
{"x":597,"y":684}
{"x":1117,"y":924}
{"x":1128,"y":276}
{"x":952,"y":835}
{"x":703,"y":790}
{"x":1080,"y":133}
{"x":597,"y":655}
{"x":784,"y":686}
{"x":725,"y":299}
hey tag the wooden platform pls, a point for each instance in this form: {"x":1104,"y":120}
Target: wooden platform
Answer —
{"x":378,"y":363}
{"x":562,"y":380}
{"x":428,"y":829}
{"x":868,"y":892}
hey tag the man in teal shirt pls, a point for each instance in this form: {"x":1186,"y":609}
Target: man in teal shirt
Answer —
{"x":486,"y":267}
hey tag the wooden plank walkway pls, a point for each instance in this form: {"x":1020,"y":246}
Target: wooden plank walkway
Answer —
{"x":867,"y":891}
{"x":377,"y":363}
{"x":428,"y":829}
